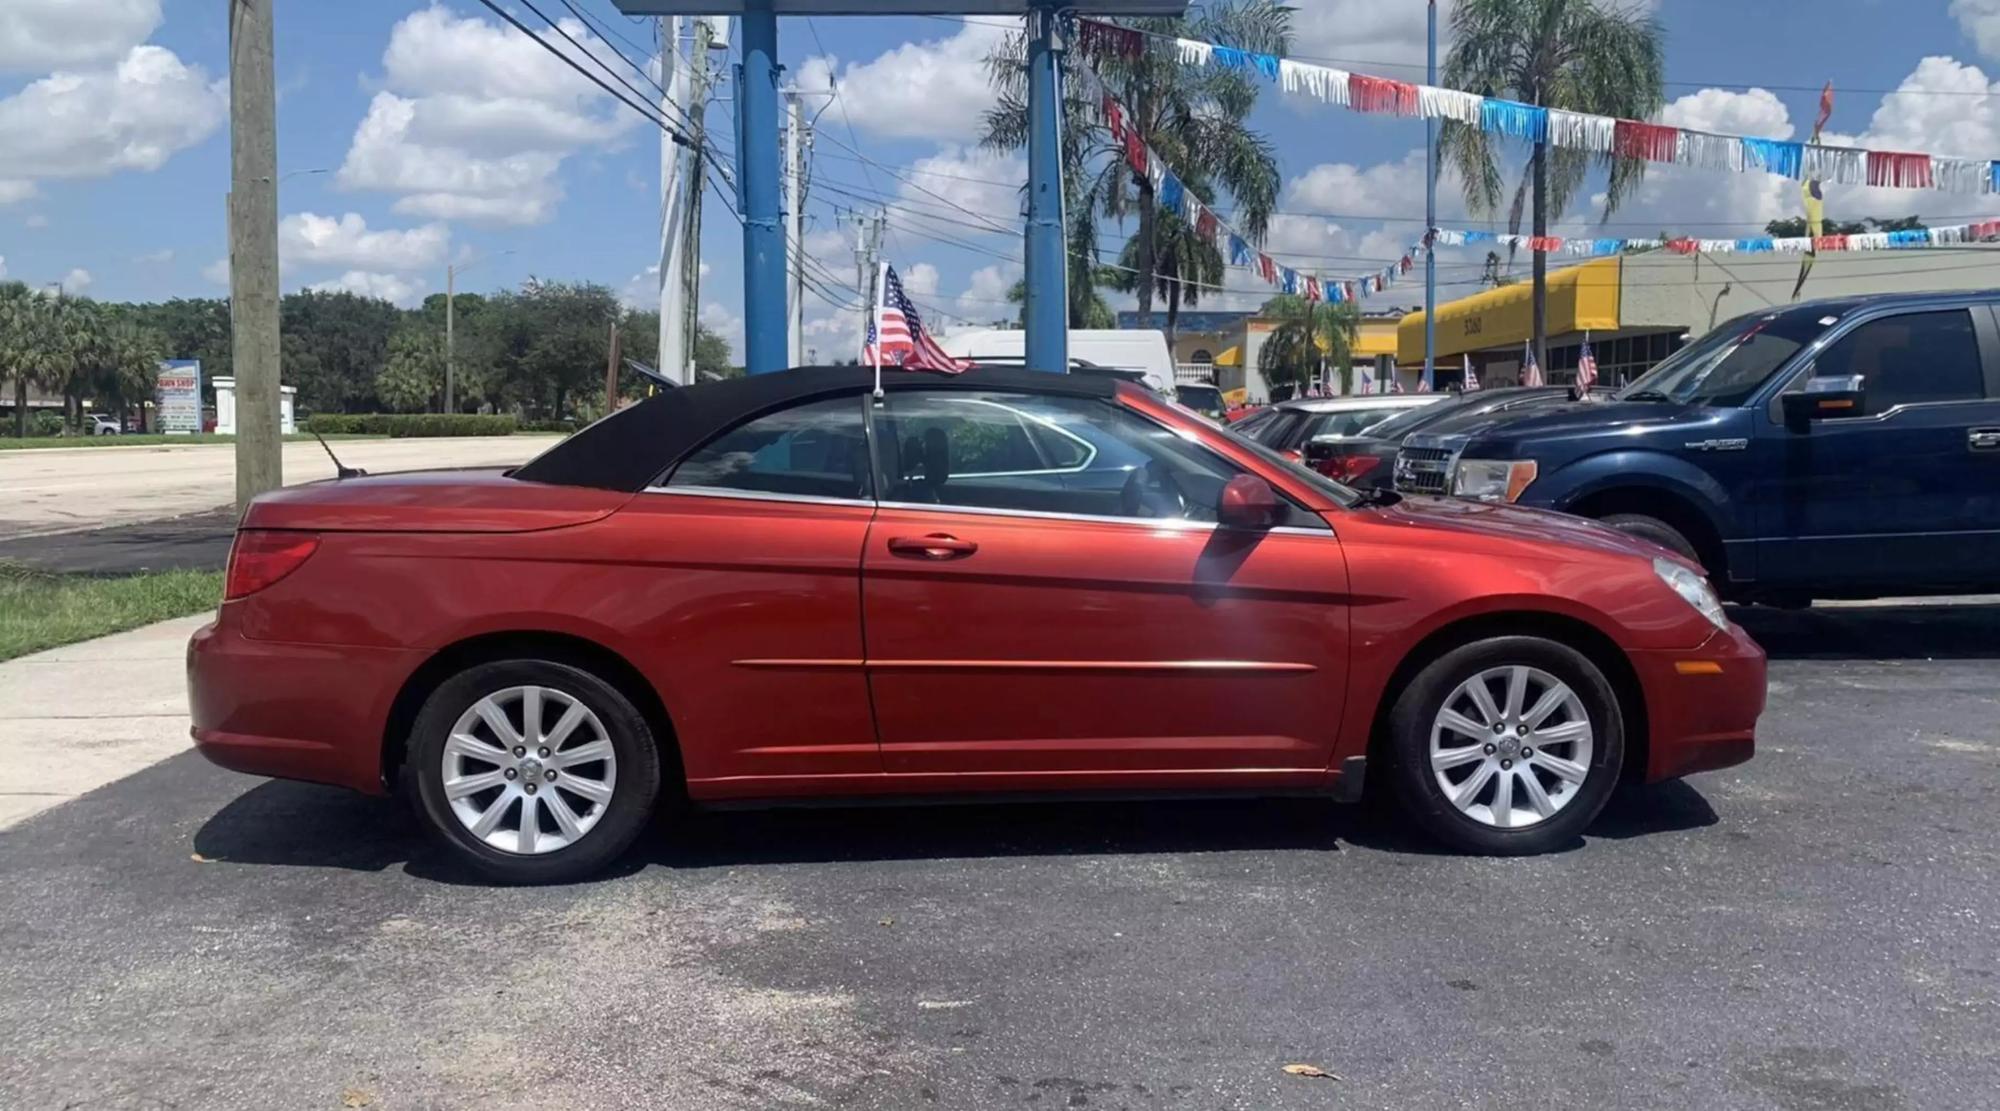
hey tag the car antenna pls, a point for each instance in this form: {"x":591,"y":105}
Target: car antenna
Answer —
{"x":340,"y":469}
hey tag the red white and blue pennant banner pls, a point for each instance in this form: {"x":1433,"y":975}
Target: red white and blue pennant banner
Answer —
{"x":1651,"y":142}
{"x":1237,"y":250}
{"x":1978,"y":232}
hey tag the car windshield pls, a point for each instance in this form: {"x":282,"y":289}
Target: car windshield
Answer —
{"x":1409,"y":420}
{"x":1730,"y":363}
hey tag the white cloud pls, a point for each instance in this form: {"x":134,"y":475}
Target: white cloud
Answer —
{"x":155,"y":258}
{"x":217,"y":272}
{"x":91,"y":123}
{"x":985,"y":296}
{"x":1367,"y":33}
{"x":35,"y":220}
{"x":476,"y":120}
{"x":921,"y":280}
{"x":76,"y":281}
{"x":642,"y":290}
{"x":716,"y":317}
{"x":41,"y":35}
{"x":1980,"y":20}
{"x":919,"y":90}
{"x":978,"y":189}
{"x":307,"y":238}
{"x":13,"y":190}
{"x":3,"y":266}
{"x":389,"y":287}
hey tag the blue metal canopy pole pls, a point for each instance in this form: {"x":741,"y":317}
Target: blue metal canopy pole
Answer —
{"x":764,"y":264}
{"x":1047,"y":257}
{"x":1431,"y":214}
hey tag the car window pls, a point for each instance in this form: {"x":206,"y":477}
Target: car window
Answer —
{"x":1277,"y":431}
{"x":956,"y":448}
{"x":1909,"y":359}
{"x":1249,"y":425}
{"x":1348,"y":422}
{"x":818,"y":449}
{"x":1730,"y":363}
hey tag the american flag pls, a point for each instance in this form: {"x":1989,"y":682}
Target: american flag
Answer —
{"x":1531,"y":371}
{"x":1586,"y":368}
{"x":1471,"y":379}
{"x":896,"y":334}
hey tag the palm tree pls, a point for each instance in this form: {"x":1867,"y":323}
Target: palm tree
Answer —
{"x":38,"y":344}
{"x":1192,"y":115}
{"x":75,"y":334}
{"x":1184,"y":266}
{"x":1313,"y":334}
{"x":1578,"y":55}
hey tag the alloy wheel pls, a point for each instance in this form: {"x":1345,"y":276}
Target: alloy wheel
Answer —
{"x":529,"y":770}
{"x":1511,"y":747}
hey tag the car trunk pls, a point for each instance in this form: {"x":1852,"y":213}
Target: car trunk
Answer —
{"x":484,"y":500}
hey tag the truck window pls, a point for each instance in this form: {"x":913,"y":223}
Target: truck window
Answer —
{"x":1909,"y":359}
{"x":1732,"y":362}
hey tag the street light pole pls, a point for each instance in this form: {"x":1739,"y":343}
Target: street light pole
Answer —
{"x":451,"y":273}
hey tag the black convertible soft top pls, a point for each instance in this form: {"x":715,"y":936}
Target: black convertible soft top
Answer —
{"x":633,"y":446}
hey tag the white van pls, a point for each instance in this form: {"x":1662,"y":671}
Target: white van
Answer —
{"x":1105,"y":348}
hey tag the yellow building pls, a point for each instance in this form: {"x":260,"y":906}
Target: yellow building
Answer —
{"x":1223,"y":347}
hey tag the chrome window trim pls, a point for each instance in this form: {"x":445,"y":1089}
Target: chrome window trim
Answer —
{"x":1152,"y":523}
{"x":756,"y":495}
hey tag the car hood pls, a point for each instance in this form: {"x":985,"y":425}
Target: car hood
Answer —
{"x":1486,"y":527}
{"x":483,"y":500}
{"x":1578,"y":418}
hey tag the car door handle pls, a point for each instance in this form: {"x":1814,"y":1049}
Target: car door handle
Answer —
{"x":1983,"y":439}
{"x":937,"y":545}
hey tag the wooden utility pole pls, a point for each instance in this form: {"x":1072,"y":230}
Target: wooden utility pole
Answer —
{"x":611,"y":371}
{"x":253,"y":249}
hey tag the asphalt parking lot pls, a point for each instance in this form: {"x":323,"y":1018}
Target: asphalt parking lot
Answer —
{"x":1818,"y":929}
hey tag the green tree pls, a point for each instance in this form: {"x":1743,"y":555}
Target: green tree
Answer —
{"x":118,"y":359}
{"x":22,"y":346}
{"x":332,"y":347}
{"x":712,"y":356}
{"x":1311,"y":335}
{"x":72,"y":331}
{"x":1578,"y":55}
{"x":1094,"y":312}
{"x":550,"y":341}
{"x":191,"y":328}
{"x":412,"y":379}
{"x":1193,"y":116}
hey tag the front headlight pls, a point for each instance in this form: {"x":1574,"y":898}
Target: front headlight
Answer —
{"x":1492,"y":479}
{"x":1693,"y":589}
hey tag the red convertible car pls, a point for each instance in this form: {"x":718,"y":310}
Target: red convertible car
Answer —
{"x":788,"y":586}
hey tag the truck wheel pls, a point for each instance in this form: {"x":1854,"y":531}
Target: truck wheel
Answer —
{"x":1655,"y":530}
{"x":1507,"y":746}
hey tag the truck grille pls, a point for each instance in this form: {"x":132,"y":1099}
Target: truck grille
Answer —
{"x":1423,"y":470}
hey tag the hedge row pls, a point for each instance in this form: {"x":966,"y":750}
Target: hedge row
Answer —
{"x":399,"y":425}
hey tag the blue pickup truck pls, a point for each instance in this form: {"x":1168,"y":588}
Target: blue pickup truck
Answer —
{"x":1833,"y":449}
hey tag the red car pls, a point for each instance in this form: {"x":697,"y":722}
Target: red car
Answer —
{"x":782,"y":586}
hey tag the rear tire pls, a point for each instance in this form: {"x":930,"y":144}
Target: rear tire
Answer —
{"x":1532,"y":785}
{"x":510,"y":741}
{"x":1655,"y":530}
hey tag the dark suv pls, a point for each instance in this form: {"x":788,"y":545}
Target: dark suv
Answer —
{"x":1835,"y":449}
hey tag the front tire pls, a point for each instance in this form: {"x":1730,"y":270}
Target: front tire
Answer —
{"x":533,"y":771}
{"x":1507,"y":747}
{"x":1655,"y":530}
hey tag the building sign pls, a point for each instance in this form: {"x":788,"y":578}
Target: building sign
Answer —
{"x":177,"y":395}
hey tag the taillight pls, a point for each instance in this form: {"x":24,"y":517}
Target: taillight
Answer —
{"x":261,"y":557}
{"x":1349,"y":468}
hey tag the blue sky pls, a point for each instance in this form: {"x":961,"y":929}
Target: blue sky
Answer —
{"x":439,"y":134}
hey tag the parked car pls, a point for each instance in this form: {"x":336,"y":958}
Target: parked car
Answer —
{"x":778,"y":587}
{"x":104,"y":424}
{"x":1367,"y":459}
{"x":1836,"y":449}
{"x":1204,"y":398}
{"x":1286,"y":426}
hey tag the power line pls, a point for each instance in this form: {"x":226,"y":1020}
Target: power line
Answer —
{"x":674,"y":133}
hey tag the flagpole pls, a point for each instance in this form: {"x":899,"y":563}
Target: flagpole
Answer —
{"x":1430,"y":208}
{"x":875,"y":314}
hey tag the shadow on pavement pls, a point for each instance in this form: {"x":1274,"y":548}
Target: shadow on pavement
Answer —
{"x":302,"y":825}
{"x":197,"y":542}
{"x":1951,"y":631}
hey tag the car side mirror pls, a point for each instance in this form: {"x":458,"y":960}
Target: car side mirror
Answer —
{"x":1248,"y":502}
{"x":1825,"y":398}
